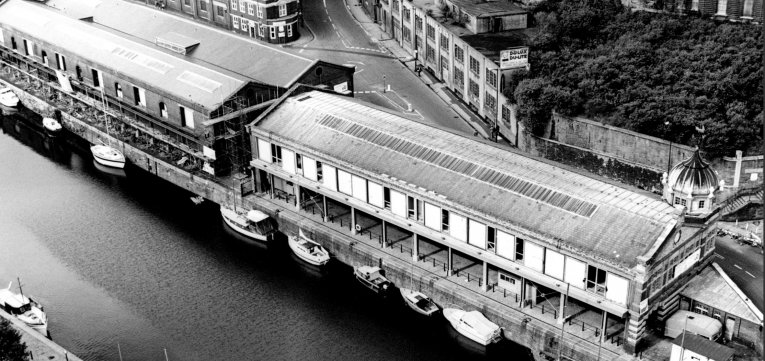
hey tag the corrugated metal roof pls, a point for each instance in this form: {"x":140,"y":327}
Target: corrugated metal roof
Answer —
{"x":137,"y":61}
{"x":702,"y":346}
{"x":581,"y":212}
{"x":257,"y":61}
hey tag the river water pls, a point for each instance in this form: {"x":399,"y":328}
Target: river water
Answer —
{"x":130,"y":260}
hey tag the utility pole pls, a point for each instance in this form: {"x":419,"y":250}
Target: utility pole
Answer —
{"x":562,"y":325}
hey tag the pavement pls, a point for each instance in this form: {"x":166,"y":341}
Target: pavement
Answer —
{"x":395,"y":49}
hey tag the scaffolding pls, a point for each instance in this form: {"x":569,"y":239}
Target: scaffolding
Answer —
{"x":233,"y":145}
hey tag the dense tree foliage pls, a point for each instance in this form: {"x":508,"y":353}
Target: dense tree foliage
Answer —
{"x":657,"y":74}
{"x":11,"y":347}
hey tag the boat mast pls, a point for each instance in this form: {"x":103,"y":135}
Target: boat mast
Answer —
{"x":20,"y":291}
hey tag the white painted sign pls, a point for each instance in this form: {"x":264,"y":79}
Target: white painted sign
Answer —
{"x":341,"y":88}
{"x":209,"y":153}
{"x":687,"y":263}
{"x":514,"y":58}
{"x":64,"y":81}
{"x":207,"y":168}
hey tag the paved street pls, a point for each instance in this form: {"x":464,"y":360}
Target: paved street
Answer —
{"x":339,"y":39}
{"x":744,"y":265}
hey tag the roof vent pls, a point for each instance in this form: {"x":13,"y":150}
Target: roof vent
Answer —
{"x":177,"y":43}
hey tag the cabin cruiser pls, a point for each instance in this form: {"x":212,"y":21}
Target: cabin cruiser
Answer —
{"x":108,"y":156}
{"x":255,"y":224}
{"x":419,"y":302}
{"x":25,"y":309}
{"x":473,"y":325}
{"x":8,"y":98}
{"x":372,"y":278}
{"x":308,"y":250}
{"x":51,"y":125}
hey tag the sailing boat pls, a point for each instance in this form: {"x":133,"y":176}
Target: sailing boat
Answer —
{"x":24,"y":308}
{"x":104,"y":154}
{"x":418,"y":301}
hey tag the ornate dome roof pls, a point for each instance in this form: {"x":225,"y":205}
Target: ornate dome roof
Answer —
{"x":693,"y":176}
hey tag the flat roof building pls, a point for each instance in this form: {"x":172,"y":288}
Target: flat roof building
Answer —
{"x":527,"y":222}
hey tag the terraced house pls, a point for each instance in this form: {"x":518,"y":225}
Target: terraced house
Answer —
{"x":568,"y":248}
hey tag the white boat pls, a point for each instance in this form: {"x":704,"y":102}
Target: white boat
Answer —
{"x":255,"y":225}
{"x":372,"y":278}
{"x":8,"y":98}
{"x":308,"y":250}
{"x":473,"y":325}
{"x":108,"y":156}
{"x":25,"y":309}
{"x":51,"y":125}
{"x":419,"y":302}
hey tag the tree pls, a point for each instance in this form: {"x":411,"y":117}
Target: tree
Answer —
{"x":11,"y":347}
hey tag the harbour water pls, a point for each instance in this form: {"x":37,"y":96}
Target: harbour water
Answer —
{"x":129,"y":259}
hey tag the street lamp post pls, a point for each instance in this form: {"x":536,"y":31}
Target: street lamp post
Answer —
{"x":385,"y":87}
{"x":669,"y":156}
{"x":415,"y":61}
{"x":682,"y":341}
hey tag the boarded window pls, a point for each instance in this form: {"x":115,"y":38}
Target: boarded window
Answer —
{"x":398,"y":203}
{"x":288,"y":161}
{"x":344,"y":183}
{"x":309,"y":168}
{"x":264,"y":151}
{"x":433,"y":216}
{"x":554,"y":264}
{"x":534,"y":256}
{"x":375,"y":194}
{"x":477,"y":234}
{"x":617,"y":289}
{"x":330,"y":176}
{"x":505,"y":245}
{"x":575,"y":272}
{"x":458,"y":226}
{"x":359,"y":188}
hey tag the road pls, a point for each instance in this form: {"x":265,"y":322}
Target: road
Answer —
{"x":744,"y":265}
{"x":338,"y":38}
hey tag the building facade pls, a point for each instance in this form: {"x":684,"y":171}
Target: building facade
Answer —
{"x":162,"y":85}
{"x":536,"y":231}
{"x":732,"y":10}
{"x":471,"y":46}
{"x":276,"y":22}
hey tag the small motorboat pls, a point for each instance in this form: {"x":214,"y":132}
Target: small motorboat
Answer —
{"x":419,"y":302}
{"x":108,"y":156}
{"x":372,"y":278}
{"x":197,"y":200}
{"x":25,"y":309}
{"x":51,"y":125}
{"x":254,"y":225}
{"x":308,"y":250}
{"x":8,"y":98}
{"x":473,"y":325}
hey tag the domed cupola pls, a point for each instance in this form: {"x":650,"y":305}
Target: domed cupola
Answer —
{"x":691,"y":184}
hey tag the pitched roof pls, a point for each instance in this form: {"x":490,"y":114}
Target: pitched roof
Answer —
{"x":177,"y":77}
{"x":524,"y":195}
{"x":712,"y":287}
{"x":260,"y":62}
{"x":704,"y":347}
{"x":488,"y":8}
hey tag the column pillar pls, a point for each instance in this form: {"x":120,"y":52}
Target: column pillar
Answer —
{"x":485,"y":283}
{"x":415,"y":248}
{"x":271,"y":184}
{"x":353,"y":221}
{"x":523,"y":292}
{"x":561,"y":308}
{"x":603,"y":326}
{"x":449,"y":263}
{"x":258,"y":186}
{"x":737,"y":173}
{"x":324,"y":207}
{"x":384,"y":235}
{"x":297,"y":197}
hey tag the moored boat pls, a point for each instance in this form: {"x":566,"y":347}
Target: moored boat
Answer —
{"x":473,"y":325}
{"x":51,"y":125}
{"x":25,"y":309}
{"x":419,"y":302}
{"x":308,"y":250}
{"x":8,"y":98}
{"x":254,"y":225}
{"x":372,"y":278}
{"x":108,"y":156}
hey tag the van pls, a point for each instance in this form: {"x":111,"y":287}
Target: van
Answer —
{"x":692,"y":322}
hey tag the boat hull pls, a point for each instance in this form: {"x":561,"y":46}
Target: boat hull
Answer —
{"x":236,"y":228}
{"x":413,"y":305}
{"x":453,"y":316}
{"x":118,"y":162}
{"x":301,"y":253}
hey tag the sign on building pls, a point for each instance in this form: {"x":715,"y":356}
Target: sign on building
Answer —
{"x":514,"y":58}
{"x":342,"y":88}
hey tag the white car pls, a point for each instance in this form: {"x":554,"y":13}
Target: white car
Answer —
{"x":8,"y":98}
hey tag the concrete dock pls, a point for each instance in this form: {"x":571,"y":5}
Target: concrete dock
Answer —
{"x":39,"y":346}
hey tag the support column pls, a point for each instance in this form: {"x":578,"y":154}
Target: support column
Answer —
{"x":324,"y":207}
{"x":485,"y":283}
{"x":384,"y":235}
{"x":258,"y":186}
{"x":737,"y":172}
{"x":353,"y":221}
{"x":523,"y":292}
{"x":271,"y":184}
{"x":297,"y":197}
{"x":561,"y":308}
{"x":602,"y":333}
{"x":449,"y":263}
{"x":415,"y":248}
